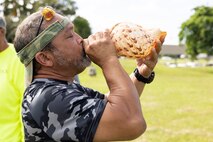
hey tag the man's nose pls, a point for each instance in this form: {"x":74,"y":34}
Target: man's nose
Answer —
{"x":79,"y":39}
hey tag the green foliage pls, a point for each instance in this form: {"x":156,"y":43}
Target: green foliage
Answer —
{"x":82,"y":27}
{"x":11,"y":29}
{"x":197,"y":32}
{"x":16,"y":10}
{"x":66,"y":7}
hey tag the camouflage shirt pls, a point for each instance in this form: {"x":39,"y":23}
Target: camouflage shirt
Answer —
{"x":55,"y":110}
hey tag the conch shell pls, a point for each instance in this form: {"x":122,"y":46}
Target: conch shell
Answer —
{"x":134,"y":41}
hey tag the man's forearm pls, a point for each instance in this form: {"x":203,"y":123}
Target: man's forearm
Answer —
{"x":139,"y":85}
{"x":119,"y":82}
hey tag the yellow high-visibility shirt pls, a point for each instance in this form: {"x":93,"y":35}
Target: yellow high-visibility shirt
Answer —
{"x":11,"y":93}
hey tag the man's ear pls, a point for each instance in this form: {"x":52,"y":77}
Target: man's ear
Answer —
{"x":44,"y":58}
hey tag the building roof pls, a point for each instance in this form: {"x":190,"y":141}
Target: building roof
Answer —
{"x":173,"y":50}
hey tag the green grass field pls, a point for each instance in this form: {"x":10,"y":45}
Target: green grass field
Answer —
{"x":178,"y":105}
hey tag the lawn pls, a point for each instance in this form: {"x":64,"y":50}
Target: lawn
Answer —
{"x":178,"y":105}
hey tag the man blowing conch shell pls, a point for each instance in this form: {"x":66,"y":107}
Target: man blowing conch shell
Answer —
{"x":54,"y":107}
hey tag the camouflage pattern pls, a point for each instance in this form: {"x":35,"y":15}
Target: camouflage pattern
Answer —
{"x":38,"y":43}
{"x":59,"y":111}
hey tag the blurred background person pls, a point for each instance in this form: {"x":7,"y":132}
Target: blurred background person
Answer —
{"x":11,"y":90}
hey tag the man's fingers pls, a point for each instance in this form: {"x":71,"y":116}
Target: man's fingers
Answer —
{"x":145,"y":70}
{"x":150,"y":64}
{"x":158,"y":46}
{"x":85,"y":42}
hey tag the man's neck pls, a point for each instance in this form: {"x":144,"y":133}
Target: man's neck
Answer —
{"x":54,"y":75}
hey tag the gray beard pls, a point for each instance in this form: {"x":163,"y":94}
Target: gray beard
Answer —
{"x":81,"y":63}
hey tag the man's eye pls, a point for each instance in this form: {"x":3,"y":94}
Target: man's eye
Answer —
{"x":69,"y":36}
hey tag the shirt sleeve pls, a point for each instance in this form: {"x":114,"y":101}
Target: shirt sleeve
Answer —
{"x":68,"y":114}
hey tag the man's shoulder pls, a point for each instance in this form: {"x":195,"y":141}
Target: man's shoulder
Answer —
{"x":50,"y":88}
{"x":56,"y":85}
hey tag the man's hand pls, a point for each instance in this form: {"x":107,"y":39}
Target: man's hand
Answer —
{"x":100,"y":48}
{"x":146,"y":65}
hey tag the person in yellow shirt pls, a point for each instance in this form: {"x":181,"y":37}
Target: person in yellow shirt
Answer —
{"x":11,"y":90}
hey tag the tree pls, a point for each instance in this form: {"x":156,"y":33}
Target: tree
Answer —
{"x":82,"y":27}
{"x":197,"y":32}
{"x":16,"y":10}
{"x":66,"y":7}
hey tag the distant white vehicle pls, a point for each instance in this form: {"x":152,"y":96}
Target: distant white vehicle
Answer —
{"x":209,"y":64}
{"x":193,"y":64}
{"x":202,"y":56}
{"x":166,"y":58}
